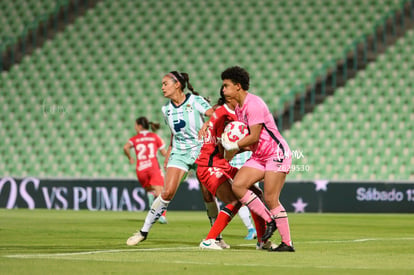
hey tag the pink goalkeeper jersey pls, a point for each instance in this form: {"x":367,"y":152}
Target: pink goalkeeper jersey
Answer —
{"x":271,"y":143}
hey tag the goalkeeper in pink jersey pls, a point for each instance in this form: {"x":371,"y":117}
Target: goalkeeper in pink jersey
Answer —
{"x":270,"y":161}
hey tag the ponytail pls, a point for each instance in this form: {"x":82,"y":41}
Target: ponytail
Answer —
{"x":184,"y":80}
{"x":146,"y":124}
{"x":154,"y":126}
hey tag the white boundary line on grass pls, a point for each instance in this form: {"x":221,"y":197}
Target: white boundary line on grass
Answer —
{"x":364,"y":240}
{"x":188,"y":248}
{"x":54,"y":255}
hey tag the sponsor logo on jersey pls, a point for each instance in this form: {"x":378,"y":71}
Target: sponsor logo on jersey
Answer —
{"x":179,"y":124}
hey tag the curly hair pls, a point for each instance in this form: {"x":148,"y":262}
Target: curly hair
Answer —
{"x":237,"y":75}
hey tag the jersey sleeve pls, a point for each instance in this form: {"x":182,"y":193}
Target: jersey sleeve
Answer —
{"x":160,"y":143}
{"x":131,"y":141}
{"x":256,"y":112}
{"x":164,"y":110}
{"x":216,"y":115}
{"x":201,"y":104}
{"x":220,"y":117}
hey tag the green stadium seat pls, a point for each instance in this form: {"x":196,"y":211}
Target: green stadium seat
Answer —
{"x":107,"y":66}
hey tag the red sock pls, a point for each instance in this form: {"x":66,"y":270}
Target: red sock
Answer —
{"x":165,"y":212}
{"x":223,"y":219}
{"x":259,"y":223}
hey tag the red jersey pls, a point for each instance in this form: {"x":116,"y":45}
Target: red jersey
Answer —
{"x":209,"y":153}
{"x":146,"y":145}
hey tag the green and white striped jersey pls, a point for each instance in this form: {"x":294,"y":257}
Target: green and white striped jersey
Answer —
{"x":185,"y":121}
{"x":239,"y":159}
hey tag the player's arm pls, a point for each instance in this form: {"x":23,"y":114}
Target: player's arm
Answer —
{"x":229,"y":155}
{"x":163,"y":152}
{"x":127,"y":148}
{"x":213,"y":115}
{"x":203,"y":130}
{"x":161,"y":146}
{"x":253,"y":136}
{"x":209,"y":112}
{"x":167,"y":155}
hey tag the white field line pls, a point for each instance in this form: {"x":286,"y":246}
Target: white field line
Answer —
{"x":363,"y":240}
{"x":185,"y":248}
{"x":45,"y":255}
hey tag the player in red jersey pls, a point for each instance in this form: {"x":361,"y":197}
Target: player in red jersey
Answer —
{"x":146,"y":145}
{"x":215,"y":172}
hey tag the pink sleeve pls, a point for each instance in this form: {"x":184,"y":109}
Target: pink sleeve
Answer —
{"x":256,"y":112}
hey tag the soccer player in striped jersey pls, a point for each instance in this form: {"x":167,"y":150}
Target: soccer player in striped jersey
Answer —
{"x":271,"y":157}
{"x":146,"y":145}
{"x":184,"y":114}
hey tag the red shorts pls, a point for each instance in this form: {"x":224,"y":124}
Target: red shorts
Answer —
{"x":150,"y":177}
{"x":213,"y":177}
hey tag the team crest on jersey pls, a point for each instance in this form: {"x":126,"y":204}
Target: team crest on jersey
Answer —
{"x":188,"y":108}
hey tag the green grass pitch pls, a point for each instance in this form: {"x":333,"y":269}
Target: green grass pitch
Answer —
{"x":83,"y":242}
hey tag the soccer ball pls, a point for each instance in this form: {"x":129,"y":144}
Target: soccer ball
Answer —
{"x":236,"y":130}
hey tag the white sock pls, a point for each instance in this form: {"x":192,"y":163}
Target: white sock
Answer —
{"x":244,"y":214}
{"x":212,"y":210}
{"x":157,"y":208}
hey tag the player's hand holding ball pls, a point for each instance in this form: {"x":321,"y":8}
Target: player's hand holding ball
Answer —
{"x":227,"y":144}
{"x":233,"y":133}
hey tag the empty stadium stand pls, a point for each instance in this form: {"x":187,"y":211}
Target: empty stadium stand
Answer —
{"x":363,"y":131}
{"x":71,"y":104}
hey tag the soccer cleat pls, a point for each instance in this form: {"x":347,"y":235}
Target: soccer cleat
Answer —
{"x":265,"y":245}
{"x":270,"y":228}
{"x":283,"y":248}
{"x":251,"y":234}
{"x":210,"y":244}
{"x":222,"y":244}
{"x":138,"y":237}
{"x":162,"y":220}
